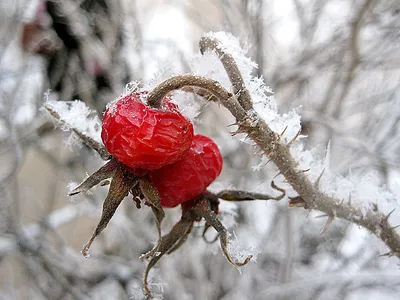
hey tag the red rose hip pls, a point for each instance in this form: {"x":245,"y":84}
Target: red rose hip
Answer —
{"x":189,"y":177}
{"x":143,"y":137}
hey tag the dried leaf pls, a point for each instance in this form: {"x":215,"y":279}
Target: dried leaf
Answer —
{"x":236,"y":195}
{"x":121,"y":184}
{"x":151,"y":194}
{"x":168,"y":243}
{"x":104,"y":172}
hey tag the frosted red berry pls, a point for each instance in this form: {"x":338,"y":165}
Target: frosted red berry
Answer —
{"x":143,"y":137}
{"x":189,"y":177}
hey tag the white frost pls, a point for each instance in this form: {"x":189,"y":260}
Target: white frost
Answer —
{"x":76,"y":115}
{"x":240,"y":252}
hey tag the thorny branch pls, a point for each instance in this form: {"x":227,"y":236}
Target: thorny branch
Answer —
{"x":270,"y":142}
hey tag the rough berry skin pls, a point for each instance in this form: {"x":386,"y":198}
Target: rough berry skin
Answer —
{"x":189,"y":177}
{"x":146,"y":138}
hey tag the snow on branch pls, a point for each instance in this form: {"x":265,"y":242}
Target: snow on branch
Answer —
{"x":76,"y":116}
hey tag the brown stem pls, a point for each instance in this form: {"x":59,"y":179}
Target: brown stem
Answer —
{"x":201,"y":92}
{"x":181,"y":81}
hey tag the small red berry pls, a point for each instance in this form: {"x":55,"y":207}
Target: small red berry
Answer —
{"x":143,"y":137}
{"x":189,"y":177}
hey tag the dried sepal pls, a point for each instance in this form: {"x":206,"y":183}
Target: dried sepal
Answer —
{"x":223,"y":233}
{"x":105,"y":172}
{"x":168,"y":243}
{"x":201,"y":209}
{"x":91,"y":143}
{"x":150,"y":193}
{"x":182,"y":240}
{"x":121,"y":184}
{"x":236,"y":195}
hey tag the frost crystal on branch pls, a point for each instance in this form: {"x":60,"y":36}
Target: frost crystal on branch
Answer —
{"x":76,"y":115}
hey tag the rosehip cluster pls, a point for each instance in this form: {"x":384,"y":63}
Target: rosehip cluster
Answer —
{"x":157,"y":158}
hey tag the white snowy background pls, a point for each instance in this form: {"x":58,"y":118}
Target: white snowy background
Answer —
{"x":331,"y":66}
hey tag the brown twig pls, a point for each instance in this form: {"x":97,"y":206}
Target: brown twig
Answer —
{"x":182,"y":81}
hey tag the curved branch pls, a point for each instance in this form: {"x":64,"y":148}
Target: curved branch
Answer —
{"x":182,"y":81}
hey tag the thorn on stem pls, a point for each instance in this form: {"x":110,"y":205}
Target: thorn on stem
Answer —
{"x":258,"y":152}
{"x":322,"y":216}
{"x":316,"y":183}
{"x":388,"y":254}
{"x":388,"y":215}
{"x":283,"y":132}
{"x":269,"y":160}
{"x":297,"y":202}
{"x":233,"y":124}
{"x":294,"y":139}
{"x":395,"y":227}
{"x":327,"y":224}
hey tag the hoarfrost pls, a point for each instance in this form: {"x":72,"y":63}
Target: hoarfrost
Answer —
{"x":136,"y":293}
{"x":240,"y":252}
{"x":76,"y":115}
{"x":353,"y":242}
{"x":131,"y":87}
{"x":188,"y":106}
{"x":210,"y":66}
